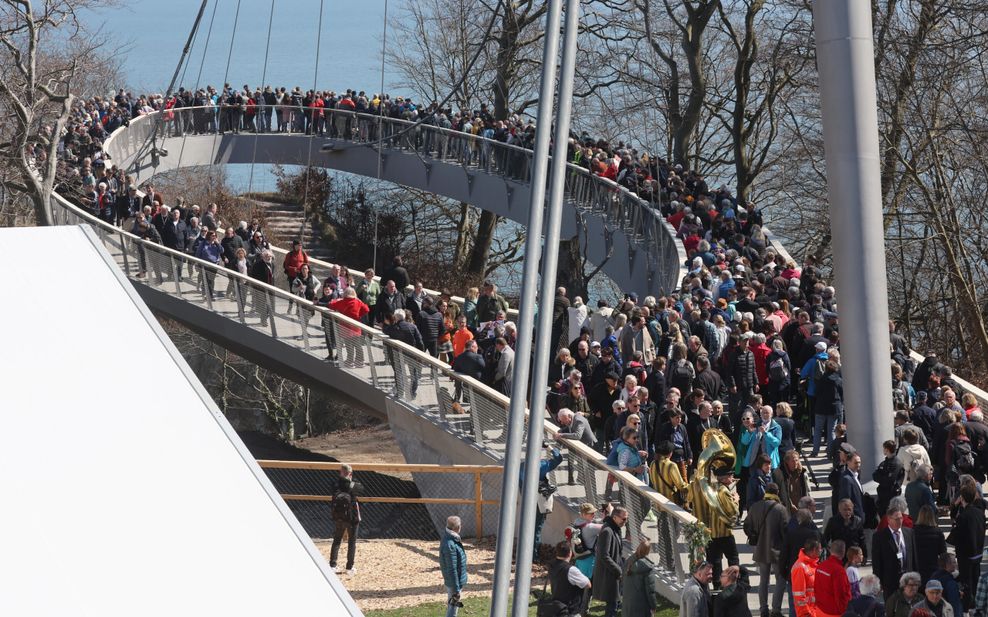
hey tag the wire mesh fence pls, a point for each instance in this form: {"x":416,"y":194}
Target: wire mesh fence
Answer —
{"x":392,"y":504}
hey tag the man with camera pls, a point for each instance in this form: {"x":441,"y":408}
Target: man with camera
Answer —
{"x":546,"y":490}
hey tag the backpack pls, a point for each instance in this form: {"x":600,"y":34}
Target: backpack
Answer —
{"x":964,"y":457}
{"x":900,"y":400}
{"x":345,"y":508}
{"x":681,"y":375}
{"x":777,"y":370}
{"x":819,"y":369}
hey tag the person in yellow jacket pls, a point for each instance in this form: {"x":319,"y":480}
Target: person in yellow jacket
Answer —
{"x":666,"y":477}
{"x":803,"y":577}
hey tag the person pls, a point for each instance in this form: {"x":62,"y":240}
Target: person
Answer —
{"x":401,"y":330}
{"x":368,"y":288}
{"x":853,"y":559}
{"x":262,"y":271}
{"x":801,"y":529}
{"x":850,"y":485}
{"x":608,"y":568}
{"x":981,"y":596}
{"x":453,"y":564}
{"x":918,"y":492}
{"x":638,"y":595}
{"x":889,"y":474}
{"x":430,"y":324}
{"x":792,"y":479}
{"x":761,"y":475}
{"x":695,"y":601}
{"x":846,"y":526}
{"x":900,"y":603}
{"x":832,"y":587}
{"x":868,"y":604}
{"x":346,"y":518}
{"x":933,"y":601}
{"x":583,"y":535}
{"x":893,"y":551}
{"x":398,"y":274}
{"x":828,"y":404}
{"x":674,"y":432}
{"x":946,"y":573}
{"x":732,"y":601}
{"x":666,"y":476}
{"x":803,"y":578}
{"x":175,"y":233}
{"x":568,"y":583}
{"x":469,"y":363}
{"x":546,"y":491}
{"x":929,"y":540}
{"x":968,"y":536}
{"x":578,"y":428}
{"x":766,"y":526}
{"x":356,"y":310}
{"x":719,"y":518}
{"x":912,"y":456}
{"x":505,"y":366}
{"x":294,"y":260}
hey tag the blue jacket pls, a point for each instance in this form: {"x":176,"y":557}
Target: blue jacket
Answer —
{"x":770,"y":444}
{"x":807,"y":372}
{"x":453,"y":561}
{"x":545,"y":466}
{"x":633,"y":459}
{"x":210,"y":252}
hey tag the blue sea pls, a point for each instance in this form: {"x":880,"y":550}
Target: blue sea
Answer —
{"x":151,"y":36}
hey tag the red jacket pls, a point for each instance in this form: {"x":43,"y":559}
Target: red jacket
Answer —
{"x":803,"y":578}
{"x":833,"y":589}
{"x":294,"y":261}
{"x":352,"y":308}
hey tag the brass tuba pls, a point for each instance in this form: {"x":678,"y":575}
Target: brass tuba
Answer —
{"x":718,"y":454}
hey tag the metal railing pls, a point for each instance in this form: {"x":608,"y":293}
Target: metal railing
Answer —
{"x":621,"y":210}
{"x":415,"y":379}
{"x":315,"y":481}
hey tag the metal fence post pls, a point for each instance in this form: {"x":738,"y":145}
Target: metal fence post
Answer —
{"x":475,"y":421}
{"x":479,"y":507}
{"x":239,"y":296}
{"x":368,"y":340}
{"x":175,"y":271}
{"x":123,"y":249}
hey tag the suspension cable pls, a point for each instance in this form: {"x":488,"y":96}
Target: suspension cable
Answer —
{"x":264,"y":76}
{"x":312,"y":131}
{"x":202,"y":62}
{"x":380,"y":105}
{"x":226,"y":75}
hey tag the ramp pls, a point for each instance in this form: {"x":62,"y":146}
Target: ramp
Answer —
{"x":126,"y":490}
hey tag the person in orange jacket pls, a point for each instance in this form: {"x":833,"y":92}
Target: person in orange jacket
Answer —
{"x":803,"y":577}
{"x":832,"y":587}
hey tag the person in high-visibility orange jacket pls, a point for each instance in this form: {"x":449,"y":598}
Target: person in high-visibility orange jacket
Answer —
{"x":803,"y":577}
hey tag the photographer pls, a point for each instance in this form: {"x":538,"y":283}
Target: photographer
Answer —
{"x":546,"y":490}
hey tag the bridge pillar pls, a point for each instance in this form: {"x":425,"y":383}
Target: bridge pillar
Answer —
{"x":845,"y":60}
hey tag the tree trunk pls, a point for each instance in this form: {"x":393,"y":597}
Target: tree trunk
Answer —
{"x":463,"y":228}
{"x":570,"y":272}
{"x":507,"y":44}
{"x":481,"y":249}
{"x":692,"y":44}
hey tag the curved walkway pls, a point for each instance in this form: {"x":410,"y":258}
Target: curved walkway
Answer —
{"x":635,"y":245}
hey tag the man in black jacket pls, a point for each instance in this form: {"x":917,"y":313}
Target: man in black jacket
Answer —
{"x":430,"y":325}
{"x":568,"y":583}
{"x":846,"y":526}
{"x":893,"y":552}
{"x":741,"y":380}
{"x":175,"y":233}
{"x":388,"y":301}
{"x":263,"y":271}
{"x":608,"y":567}
{"x":708,"y":380}
{"x":889,"y":476}
{"x":397,"y":328}
{"x":469,"y":363}
{"x":346,"y":518}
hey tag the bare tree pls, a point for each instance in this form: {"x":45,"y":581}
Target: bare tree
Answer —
{"x":43,"y":51}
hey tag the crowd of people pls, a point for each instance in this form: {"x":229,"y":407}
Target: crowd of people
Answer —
{"x":749,"y":345}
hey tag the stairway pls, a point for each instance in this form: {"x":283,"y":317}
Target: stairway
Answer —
{"x":283,"y":222}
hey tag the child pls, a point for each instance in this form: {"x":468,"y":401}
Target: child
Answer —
{"x":854,"y":558}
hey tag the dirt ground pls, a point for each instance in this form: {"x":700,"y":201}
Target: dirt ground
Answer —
{"x":397,"y":573}
{"x":367,"y":444}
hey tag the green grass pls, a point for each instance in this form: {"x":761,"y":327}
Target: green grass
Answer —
{"x":481,"y":606}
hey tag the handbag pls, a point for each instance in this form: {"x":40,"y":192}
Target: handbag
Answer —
{"x":547,"y":607}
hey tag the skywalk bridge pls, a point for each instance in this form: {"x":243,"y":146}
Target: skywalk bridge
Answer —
{"x":297,"y":339}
